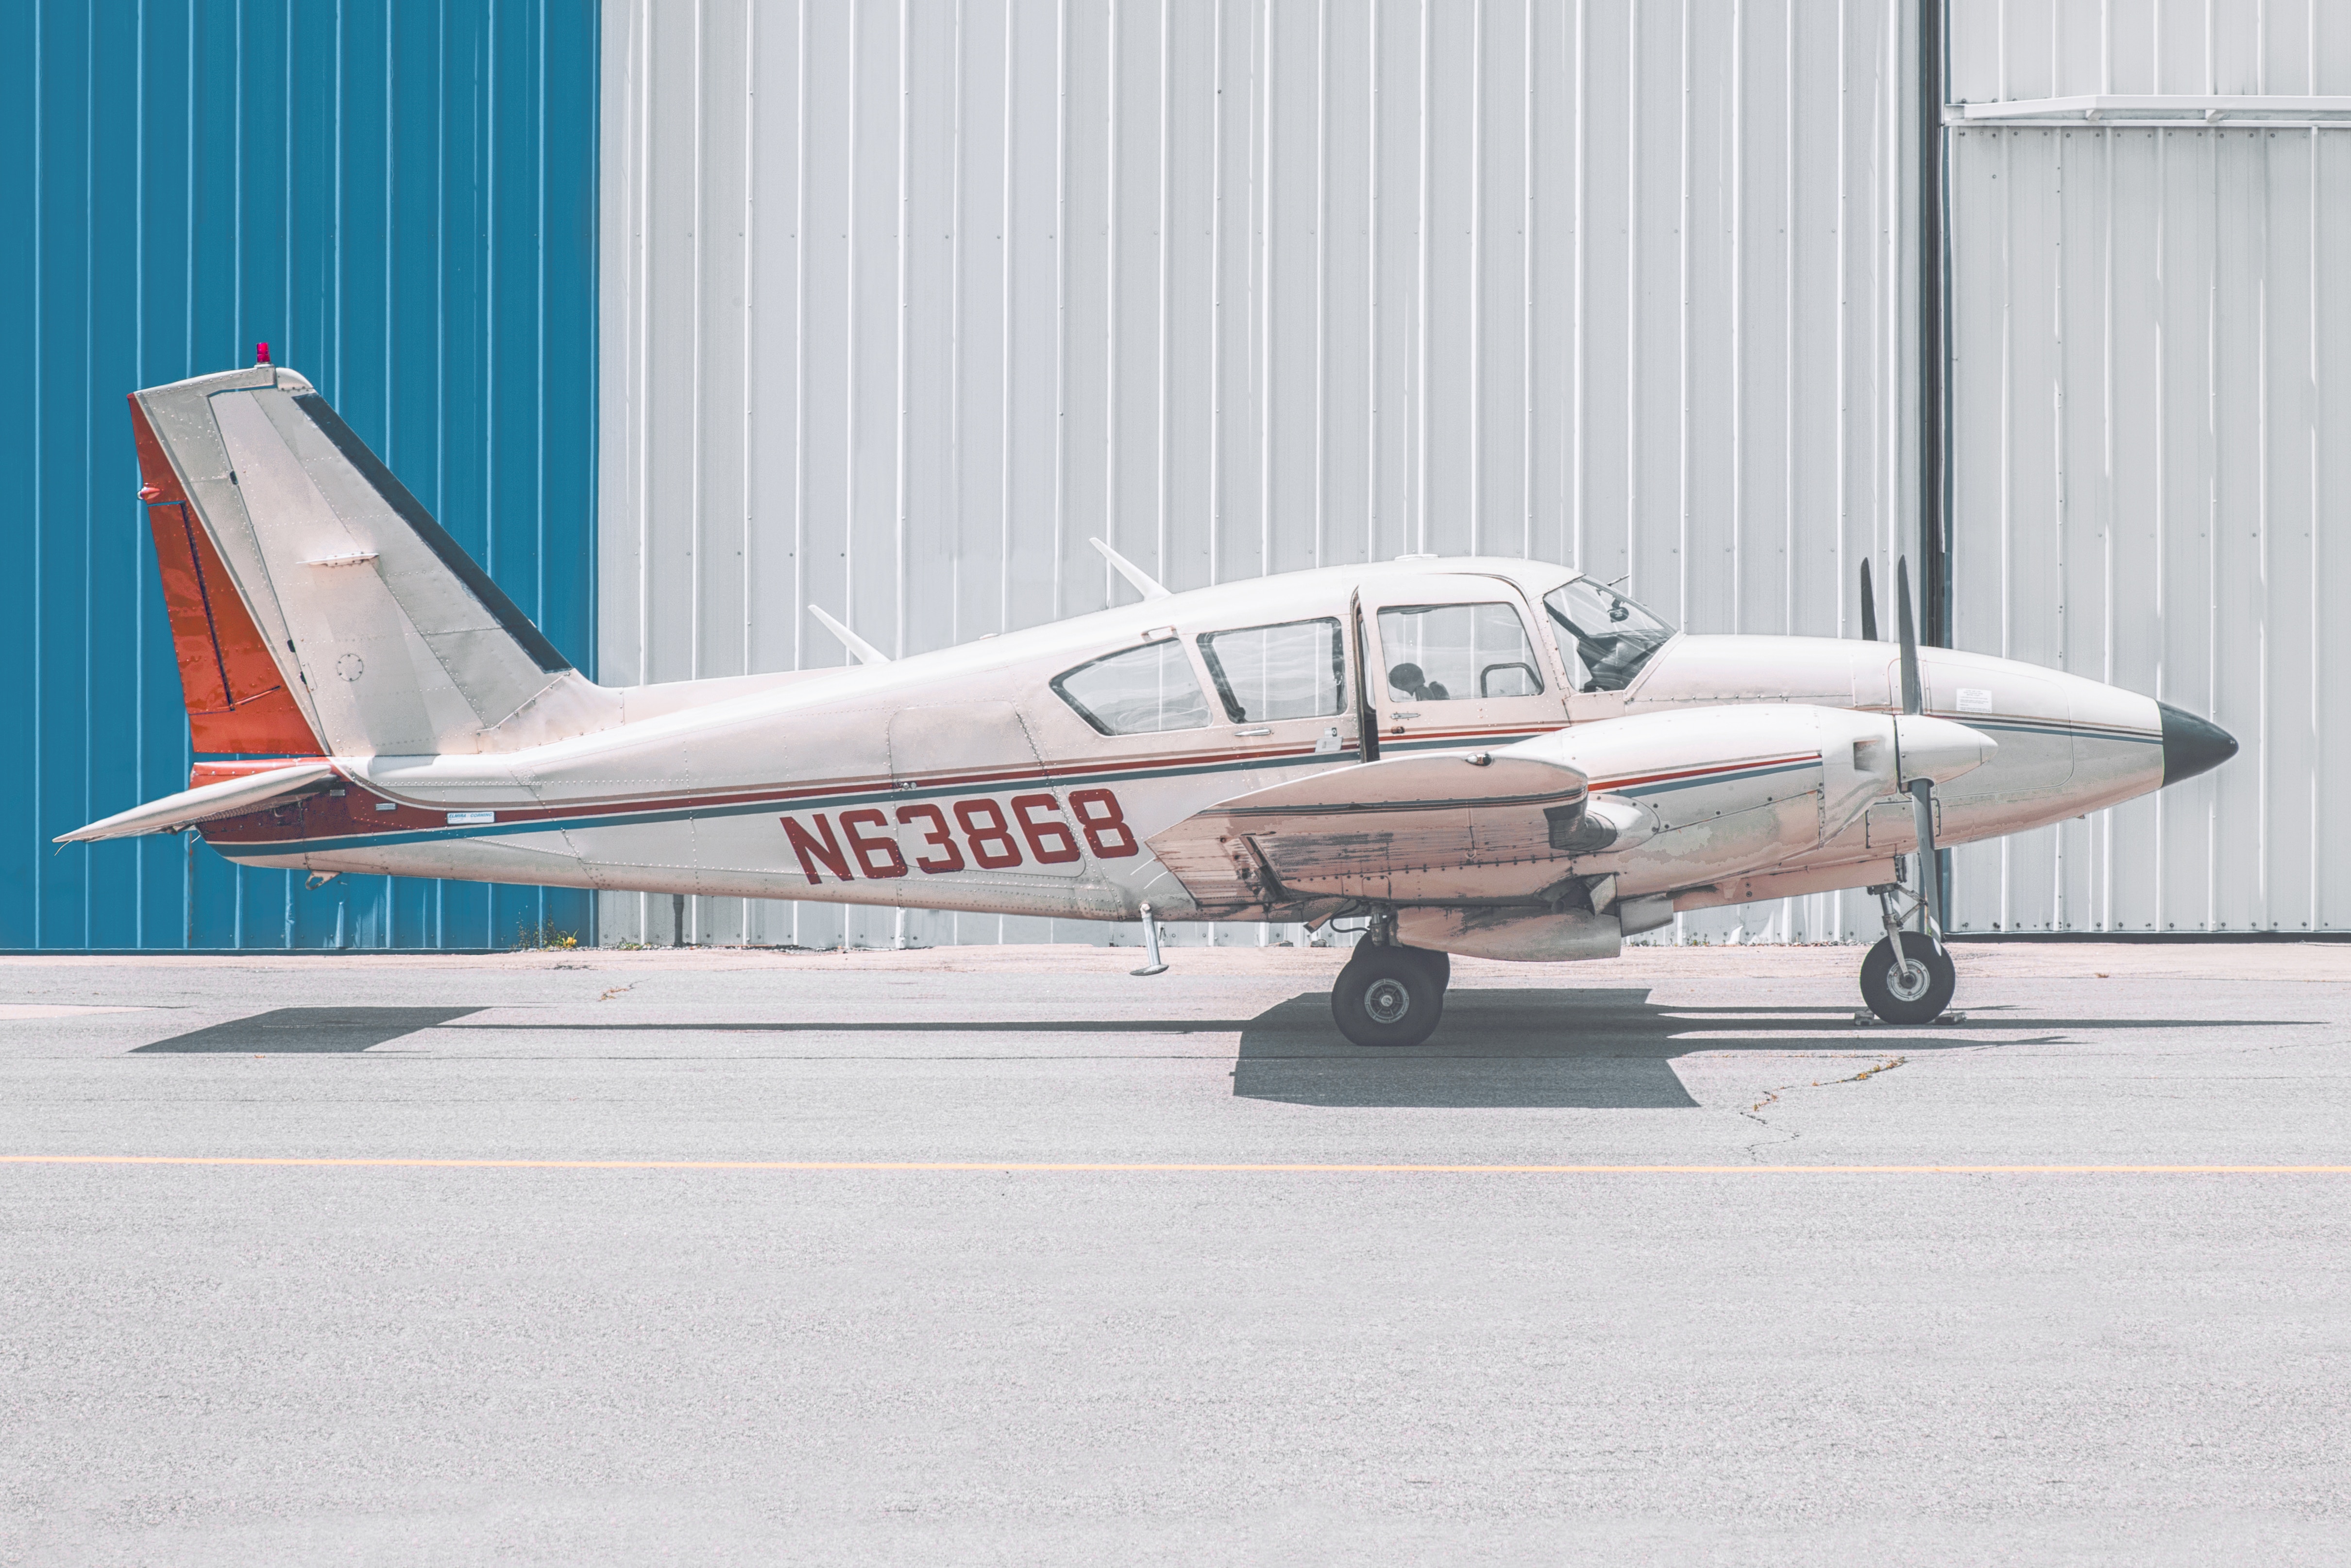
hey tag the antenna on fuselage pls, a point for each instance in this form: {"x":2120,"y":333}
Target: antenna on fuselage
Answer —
{"x":1144,"y":583}
{"x":1868,"y":604}
{"x":867,"y":654}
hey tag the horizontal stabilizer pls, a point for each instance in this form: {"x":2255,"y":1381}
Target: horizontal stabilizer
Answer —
{"x":1407,"y":826}
{"x":229,"y":797}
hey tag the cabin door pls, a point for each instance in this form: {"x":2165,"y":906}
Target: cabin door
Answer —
{"x":1454,"y":661}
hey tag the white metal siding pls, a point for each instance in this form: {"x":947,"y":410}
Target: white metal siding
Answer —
{"x":2151,"y":397}
{"x":904,"y":298}
{"x":2022,"y":49}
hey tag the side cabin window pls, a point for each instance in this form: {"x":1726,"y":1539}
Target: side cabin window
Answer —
{"x":1295,"y":670}
{"x":1137,"y":691}
{"x":1440,"y":653}
{"x":1607,"y":634}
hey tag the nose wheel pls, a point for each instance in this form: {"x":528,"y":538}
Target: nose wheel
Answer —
{"x":1390,"y":995}
{"x":1912,"y":989}
{"x":1907,"y":977}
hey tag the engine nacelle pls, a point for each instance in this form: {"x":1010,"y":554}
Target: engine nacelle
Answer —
{"x":1937,"y":748}
{"x":1681,"y":799}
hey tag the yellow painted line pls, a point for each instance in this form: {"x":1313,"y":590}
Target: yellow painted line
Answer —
{"x":1156,"y":1167}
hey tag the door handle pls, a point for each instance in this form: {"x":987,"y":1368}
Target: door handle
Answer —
{"x":1267,"y":730}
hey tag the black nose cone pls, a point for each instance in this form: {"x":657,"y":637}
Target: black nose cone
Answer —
{"x":2192,"y":744}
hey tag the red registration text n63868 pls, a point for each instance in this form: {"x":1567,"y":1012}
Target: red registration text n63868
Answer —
{"x":982,"y":833}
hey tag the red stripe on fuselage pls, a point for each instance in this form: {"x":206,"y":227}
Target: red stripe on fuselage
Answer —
{"x":1599,"y":785}
{"x":800,"y":795}
{"x":361,"y":816}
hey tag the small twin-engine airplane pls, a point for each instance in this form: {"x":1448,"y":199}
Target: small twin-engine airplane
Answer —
{"x":1489,"y":756}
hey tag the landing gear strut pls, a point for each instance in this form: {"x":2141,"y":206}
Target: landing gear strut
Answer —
{"x":1908,"y":980}
{"x":1907,"y":977}
{"x":1388,"y":994}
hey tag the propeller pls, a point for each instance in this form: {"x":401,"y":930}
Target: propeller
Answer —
{"x":1868,"y":604}
{"x":1922,"y":790}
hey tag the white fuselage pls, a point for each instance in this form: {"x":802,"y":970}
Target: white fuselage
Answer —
{"x":961,"y":780}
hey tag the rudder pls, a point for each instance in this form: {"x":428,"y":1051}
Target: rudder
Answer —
{"x":235,"y":694}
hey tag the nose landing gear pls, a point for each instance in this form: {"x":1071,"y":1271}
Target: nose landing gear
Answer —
{"x":1909,"y":981}
{"x":1388,"y":994}
{"x":1907,"y":977}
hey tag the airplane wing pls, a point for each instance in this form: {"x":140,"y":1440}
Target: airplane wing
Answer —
{"x":1657,"y":803}
{"x":1356,"y":833}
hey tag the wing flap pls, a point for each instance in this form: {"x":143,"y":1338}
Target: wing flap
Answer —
{"x":1407,"y":827}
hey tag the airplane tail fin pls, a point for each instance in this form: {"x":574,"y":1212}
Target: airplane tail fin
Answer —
{"x":316,"y":605}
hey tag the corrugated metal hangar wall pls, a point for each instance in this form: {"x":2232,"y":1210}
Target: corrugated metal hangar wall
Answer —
{"x":400,"y":199}
{"x":2151,"y":413}
{"x":904,"y":298}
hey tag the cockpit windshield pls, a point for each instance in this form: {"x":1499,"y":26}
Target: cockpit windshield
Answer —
{"x":1609,"y":635}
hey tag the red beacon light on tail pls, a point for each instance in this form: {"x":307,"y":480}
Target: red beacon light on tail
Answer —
{"x":261,"y":353}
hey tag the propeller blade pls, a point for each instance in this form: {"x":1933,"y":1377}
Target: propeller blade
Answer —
{"x":1868,"y":604}
{"x":1922,"y":790}
{"x":1913,"y":699}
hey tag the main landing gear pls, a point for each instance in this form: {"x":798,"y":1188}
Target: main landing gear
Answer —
{"x":1390,"y":994}
{"x":1907,"y":977}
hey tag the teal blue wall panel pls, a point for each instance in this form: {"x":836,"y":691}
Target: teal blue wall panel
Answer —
{"x":400,"y":198}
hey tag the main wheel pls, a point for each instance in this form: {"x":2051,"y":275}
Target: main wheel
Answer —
{"x":1438,"y":965}
{"x":1387,"y":995}
{"x":1917,"y":993}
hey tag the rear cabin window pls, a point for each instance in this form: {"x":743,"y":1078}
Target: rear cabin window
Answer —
{"x":1140,"y":691}
{"x":1440,"y":653}
{"x":1295,"y":670}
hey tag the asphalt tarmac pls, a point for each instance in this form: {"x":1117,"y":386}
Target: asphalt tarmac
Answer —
{"x":984,"y":1256}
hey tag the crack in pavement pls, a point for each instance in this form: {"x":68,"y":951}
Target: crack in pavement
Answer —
{"x":1770,"y":1096}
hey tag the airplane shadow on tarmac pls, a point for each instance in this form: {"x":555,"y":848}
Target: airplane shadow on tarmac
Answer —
{"x":1600,"y":1049}
{"x":311,"y":1031}
{"x":1596,"y":1048}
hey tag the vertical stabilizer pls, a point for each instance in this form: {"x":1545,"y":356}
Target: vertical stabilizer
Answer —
{"x":383,"y":636}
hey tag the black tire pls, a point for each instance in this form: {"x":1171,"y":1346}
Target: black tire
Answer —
{"x":1387,"y":995}
{"x":1438,"y":965}
{"x":1886,"y":997}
